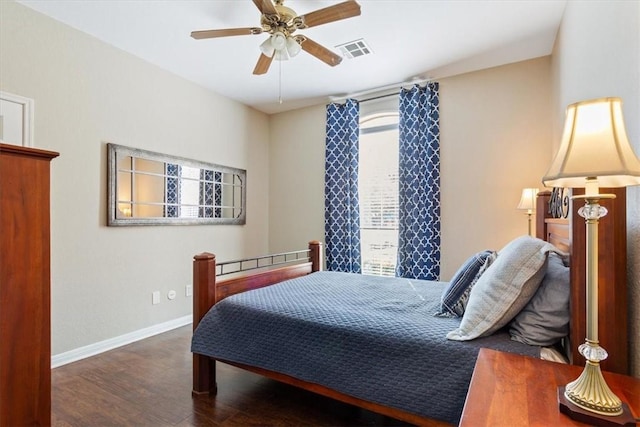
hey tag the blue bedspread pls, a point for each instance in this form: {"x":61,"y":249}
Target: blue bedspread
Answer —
{"x":369,"y":337}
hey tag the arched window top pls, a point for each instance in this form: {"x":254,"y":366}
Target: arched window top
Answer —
{"x":379,"y":122}
{"x":378,"y":119}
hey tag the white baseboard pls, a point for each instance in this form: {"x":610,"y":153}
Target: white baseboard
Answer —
{"x":106,"y":345}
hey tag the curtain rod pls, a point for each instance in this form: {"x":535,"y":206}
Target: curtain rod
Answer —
{"x":379,"y":92}
{"x":373,"y":98}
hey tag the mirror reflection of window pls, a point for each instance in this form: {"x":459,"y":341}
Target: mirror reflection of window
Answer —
{"x":148,"y":189}
{"x":232,"y":194}
{"x":151,"y":188}
{"x":172,"y":197}
{"x":125,"y":184}
{"x":189,"y":192}
{"x":217,"y":176}
{"x":209,"y":200}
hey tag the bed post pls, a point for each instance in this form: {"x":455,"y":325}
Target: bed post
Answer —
{"x":204,"y":296}
{"x":316,"y":255}
{"x":542,"y":213}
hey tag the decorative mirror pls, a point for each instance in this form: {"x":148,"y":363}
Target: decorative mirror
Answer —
{"x":147,"y":188}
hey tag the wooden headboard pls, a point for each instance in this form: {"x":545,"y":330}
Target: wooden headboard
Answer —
{"x":569,"y":235}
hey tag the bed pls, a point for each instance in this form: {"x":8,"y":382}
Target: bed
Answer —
{"x":356,"y":338}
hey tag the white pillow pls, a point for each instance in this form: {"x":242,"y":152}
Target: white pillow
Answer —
{"x":505,"y":288}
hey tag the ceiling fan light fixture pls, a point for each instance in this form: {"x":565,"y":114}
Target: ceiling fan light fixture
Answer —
{"x":266,"y":47}
{"x":281,"y":55}
{"x":278,"y":41}
{"x":293,"y":47}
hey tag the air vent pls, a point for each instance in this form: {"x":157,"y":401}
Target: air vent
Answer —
{"x":354,"y":49}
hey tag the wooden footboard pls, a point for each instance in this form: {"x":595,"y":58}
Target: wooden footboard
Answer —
{"x":208,"y":289}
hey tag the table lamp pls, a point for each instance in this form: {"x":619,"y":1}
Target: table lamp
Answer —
{"x":594,"y":151}
{"x":528,"y":203}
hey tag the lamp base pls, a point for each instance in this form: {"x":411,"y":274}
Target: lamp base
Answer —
{"x":575,"y":412}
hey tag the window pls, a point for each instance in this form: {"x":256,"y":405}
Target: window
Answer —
{"x":378,"y":192}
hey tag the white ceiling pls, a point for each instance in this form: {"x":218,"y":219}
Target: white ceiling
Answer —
{"x":411,"y":40}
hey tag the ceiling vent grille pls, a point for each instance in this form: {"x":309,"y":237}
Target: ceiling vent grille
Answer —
{"x":354,"y":49}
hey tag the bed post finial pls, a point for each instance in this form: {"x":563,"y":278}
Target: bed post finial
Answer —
{"x":316,"y":252}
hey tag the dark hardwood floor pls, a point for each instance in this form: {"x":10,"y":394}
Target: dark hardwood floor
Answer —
{"x":148,"y":383}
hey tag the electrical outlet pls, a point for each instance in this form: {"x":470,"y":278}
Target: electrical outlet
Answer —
{"x":155,"y":297}
{"x":171,"y":294}
{"x":188,"y":291}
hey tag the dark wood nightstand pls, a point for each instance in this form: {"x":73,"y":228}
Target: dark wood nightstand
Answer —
{"x":511,"y":390}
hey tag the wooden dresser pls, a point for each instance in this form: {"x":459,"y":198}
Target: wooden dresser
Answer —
{"x":25,"y":332}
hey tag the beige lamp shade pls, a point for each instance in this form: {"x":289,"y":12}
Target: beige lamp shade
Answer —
{"x":594,"y":145}
{"x":528,"y":199}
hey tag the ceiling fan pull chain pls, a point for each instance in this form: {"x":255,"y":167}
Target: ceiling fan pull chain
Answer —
{"x":280,"y":82}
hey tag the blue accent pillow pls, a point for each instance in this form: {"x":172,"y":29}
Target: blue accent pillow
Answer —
{"x":455,"y":296}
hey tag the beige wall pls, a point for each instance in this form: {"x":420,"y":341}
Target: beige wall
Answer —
{"x":495,"y":140}
{"x":495,"y":136}
{"x":88,"y":93}
{"x":296,"y":178}
{"x":597,"y":54}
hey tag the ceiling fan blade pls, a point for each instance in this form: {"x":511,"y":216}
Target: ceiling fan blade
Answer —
{"x":320,"y":52}
{"x":264,"y":62}
{"x":266,"y":7}
{"x":210,"y":34}
{"x":344,"y":10}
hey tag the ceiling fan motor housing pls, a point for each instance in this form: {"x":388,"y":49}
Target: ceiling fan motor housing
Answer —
{"x":286,"y":21}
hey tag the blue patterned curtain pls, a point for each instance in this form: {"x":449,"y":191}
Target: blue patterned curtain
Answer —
{"x":341,"y":207}
{"x":419,"y":184}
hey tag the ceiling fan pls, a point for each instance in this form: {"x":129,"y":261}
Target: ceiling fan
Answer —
{"x":280,"y":22}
